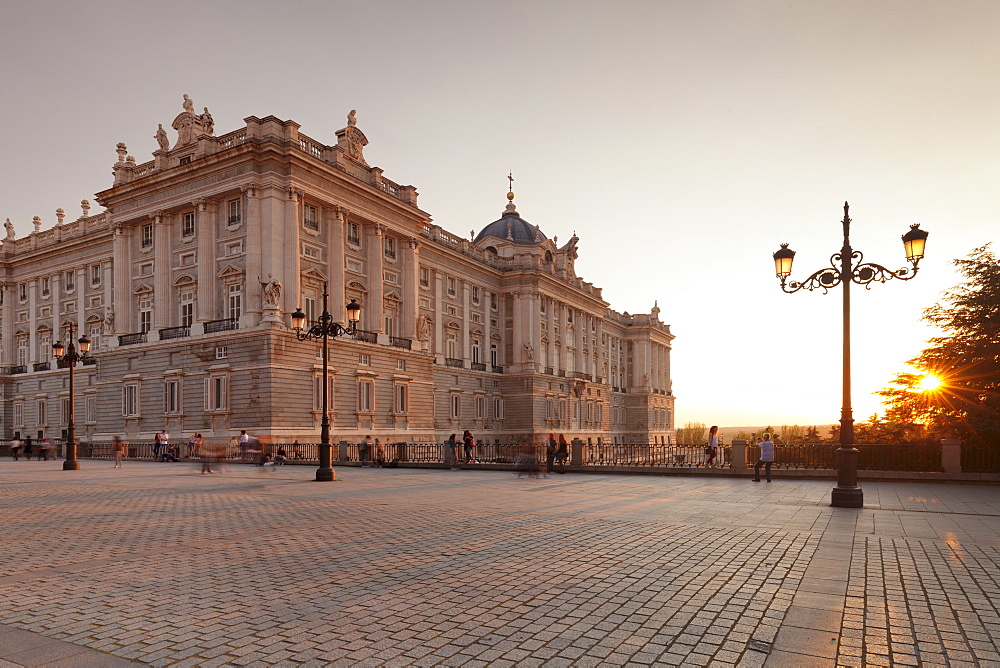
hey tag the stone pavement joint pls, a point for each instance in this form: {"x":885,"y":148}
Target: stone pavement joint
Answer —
{"x":468,"y":568}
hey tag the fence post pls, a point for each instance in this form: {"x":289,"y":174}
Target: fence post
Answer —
{"x":951,"y":455}
{"x":739,"y":460}
{"x":343,"y":451}
{"x":576,"y":456}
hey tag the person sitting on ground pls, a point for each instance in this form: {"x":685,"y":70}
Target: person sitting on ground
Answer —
{"x":169,"y":453}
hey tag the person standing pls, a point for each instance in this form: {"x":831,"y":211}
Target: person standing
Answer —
{"x":453,"y":452}
{"x":118,"y":448}
{"x":363,"y":448}
{"x":243,"y":442}
{"x":766,"y":459}
{"x":713,"y":446}
{"x":379,"y":453}
{"x":468,"y":442}
{"x":550,"y":453}
{"x":157,"y":445}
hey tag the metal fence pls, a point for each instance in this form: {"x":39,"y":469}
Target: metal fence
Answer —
{"x":819,"y":456}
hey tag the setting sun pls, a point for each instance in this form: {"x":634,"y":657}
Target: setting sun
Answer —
{"x":929,"y":382}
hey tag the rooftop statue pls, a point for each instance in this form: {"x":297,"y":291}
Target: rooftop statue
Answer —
{"x":188,"y":104}
{"x":207,"y":122}
{"x":10,"y":229}
{"x":161,"y":138}
{"x":352,"y":119}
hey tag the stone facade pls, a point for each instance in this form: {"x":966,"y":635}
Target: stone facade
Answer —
{"x":186,"y":282}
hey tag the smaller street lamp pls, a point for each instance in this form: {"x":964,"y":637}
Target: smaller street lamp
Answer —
{"x":325,"y":329}
{"x":71,"y":358}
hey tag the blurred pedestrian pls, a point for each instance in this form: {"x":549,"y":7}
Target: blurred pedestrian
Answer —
{"x":118,"y":448}
{"x":550,"y":453}
{"x":363,"y":448}
{"x":712,"y":449}
{"x":27,"y":448}
{"x":766,"y":459}
{"x":297,"y":451}
{"x":209,"y":455}
{"x":379,"y":453}
{"x":453,"y":452}
{"x":44,"y":448}
{"x":525,"y":461}
{"x":15,"y":448}
{"x":244,"y":443}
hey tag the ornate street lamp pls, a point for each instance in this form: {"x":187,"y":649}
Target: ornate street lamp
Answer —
{"x":846,"y":267}
{"x":325,"y":329}
{"x":70,"y":358}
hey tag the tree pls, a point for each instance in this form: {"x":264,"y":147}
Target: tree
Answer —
{"x":966,"y":359}
{"x":692,"y":433}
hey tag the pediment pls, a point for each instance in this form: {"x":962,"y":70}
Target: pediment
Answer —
{"x":184,"y":279}
{"x":230,"y":270}
{"x":314,"y":274}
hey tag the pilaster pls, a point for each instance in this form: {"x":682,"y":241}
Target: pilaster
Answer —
{"x":162,"y":289}
{"x":208,"y":231}
{"x":411,"y":278}
{"x":335,"y":220}
{"x":373,"y":253}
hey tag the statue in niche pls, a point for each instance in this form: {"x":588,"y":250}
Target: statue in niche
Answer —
{"x":272,"y":291}
{"x":529,"y":352}
{"x":188,"y":104}
{"x":423,"y":327}
{"x":352,"y":119}
{"x":207,"y":122}
{"x":161,"y":137}
{"x":108,"y":324}
{"x":10,"y":229}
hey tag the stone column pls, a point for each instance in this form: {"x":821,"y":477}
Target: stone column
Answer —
{"x":162,"y":290}
{"x":54,"y":282}
{"x":601,"y":348}
{"x":411,"y":279}
{"x":550,"y":317}
{"x":9,"y":354}
{"x":335,"y":219}
{"x":286,"y":267}
{"x":439,"y":349}
{"x":208,"y":230}
{"x":464,"y":337}
{"x":32,"y":322}
{"x":111,"y":282}
{"x":373,"y":253}
{"x":81,"y":301}
{"x":264,"y":210}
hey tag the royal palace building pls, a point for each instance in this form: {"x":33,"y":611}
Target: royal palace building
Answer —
{"x":185,"y":284}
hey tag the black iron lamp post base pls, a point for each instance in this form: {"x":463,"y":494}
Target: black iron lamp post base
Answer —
{"x":847,"y":497}
{"x":71,"y":465}
{"x":325,"y":475}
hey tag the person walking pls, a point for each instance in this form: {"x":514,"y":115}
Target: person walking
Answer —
{"x":243,"y":441}
{"x":468,"y":442}
{"x":550,"y":453}
{"x":713,"y":446}
{"x":766,"y":459}
{"x":453,"y":452}
{"x":209,"y":455}
{"x":363,"y":448}
{"x":118,"y":448}
{"x":562,"y":453}
{"x":15,"y":448}
{"x":379,"y":453}
{"x":27,"y":448}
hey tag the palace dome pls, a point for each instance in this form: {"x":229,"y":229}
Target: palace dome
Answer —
{"x":512,"y":228}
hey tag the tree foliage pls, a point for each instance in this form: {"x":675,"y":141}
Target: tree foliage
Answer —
{"x":966,"y":358}
{"x":692,"y":433}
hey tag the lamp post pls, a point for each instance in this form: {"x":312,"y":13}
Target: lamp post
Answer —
{"x":846,"y":267}
{"x":325,"y":329}
{"x":70,"y":358}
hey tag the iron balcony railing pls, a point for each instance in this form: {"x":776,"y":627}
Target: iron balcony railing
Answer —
{"x":224,"y":325}
{"x":131,"y":339}
{"x":497,"y":369}
{"x":42,"y":366}
{"x":175,"y":332}
{"x":19,"y":368}
{"x":478,"y":366}
{"x":455,"y":362}
{"x":367,"y":337}
{"x":400,"y":342}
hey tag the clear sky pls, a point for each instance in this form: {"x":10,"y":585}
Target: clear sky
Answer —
{"x":682,"y":142}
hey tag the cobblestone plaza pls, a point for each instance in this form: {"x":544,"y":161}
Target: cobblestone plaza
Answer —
{"x":155,"y":564}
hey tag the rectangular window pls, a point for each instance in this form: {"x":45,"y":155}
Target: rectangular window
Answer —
{"x":70,"y":281}
{"x":402,"y":398}
{"x":40,"y":412}
{"x":64,"y":410}
{"x":186,"y":160}
{"x":187,"y":224}
{"x":44,"y":347}
{"x":400,"y":365}
{"x":456,"y":406}
{"x":147,"y":235}
{"x":234,"y":302}
{"x":493,"y":354}
{"x":390,"y":247}
{"x":311,"y":252}
{"x":145,"y":315}
{"x":221,"y":352}
{"x":387,"y":324}
{"x":475,"y":294}
{"x":22,"y":351}
{"x":476,"y":350}
{"x":95,"y":274}
{"x":318,"y":393}
{"x":451,"y":286}
{"x":353,"y":234}
{"x":91,"y":410}
{"x":188,"y":259}
{"x":234,"y":248}
{"x":493,"y":301}
{"x":216,"y":393}
{"x":498,"y":409}
{"x":480,"y":408}
{"x":234,"y":208}
{"x":18,"y":413}
{"x":366,"y":399}
{"x":146,"y":269}
{"x":309,"y":217}
{"x":451,"y":345}
{"x":309,"y":308}
{"x":425,"y":276}
{"x":364,"y":360}
{"x":22,"y":292}
{"x":187,"y":309}
{"x":46,"y":286}
{"x":130,"y":400}
{"x":171,"y":397}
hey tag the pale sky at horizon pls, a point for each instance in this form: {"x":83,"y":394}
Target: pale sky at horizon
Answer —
{"x":682,"y":142}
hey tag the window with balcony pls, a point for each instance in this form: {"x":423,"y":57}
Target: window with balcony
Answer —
{"x":234,"y":212}
{"x":95,"y":274}
{"x":390,"y":247}
{"x":234,"y":302}
{"x":187,"y":308}
{"x":145,"y":315}
{"x":70,"y":281}
{"x":187,"y":224}
{"x":309,"y":217}
{"x":353,"y":234}
{"x":147,"y":235}
{"x":425,"y":276}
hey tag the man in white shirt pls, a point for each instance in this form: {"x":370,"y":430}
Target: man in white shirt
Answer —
{"x":766,"y":459}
